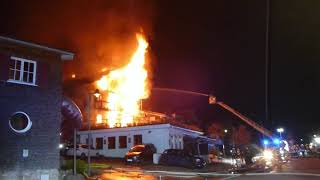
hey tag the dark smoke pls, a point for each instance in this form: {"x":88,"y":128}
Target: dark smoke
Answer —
{"x":100,"y":32}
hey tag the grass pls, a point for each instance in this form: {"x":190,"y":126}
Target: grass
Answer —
{"x":82,"y":166}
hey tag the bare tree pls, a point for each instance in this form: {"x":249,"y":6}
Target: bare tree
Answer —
{"x":215,"y":130}
{"x":241,"y":136}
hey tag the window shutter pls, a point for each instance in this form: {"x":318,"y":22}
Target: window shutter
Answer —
{"x":42,"y":74}
{"x":4,"y":67}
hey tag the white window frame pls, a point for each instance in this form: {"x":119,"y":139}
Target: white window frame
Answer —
{"x":27,"y":128}
{"x":20,"y":81}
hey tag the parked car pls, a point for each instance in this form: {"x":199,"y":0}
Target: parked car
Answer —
{"x":82,"y":151}
{"x":140,"y":153}
{"x":178,"y":157}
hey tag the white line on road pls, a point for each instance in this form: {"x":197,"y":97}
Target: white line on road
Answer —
{"x":190,"y":173}
{"x":231,"y":177}
{"x":295,"y":174}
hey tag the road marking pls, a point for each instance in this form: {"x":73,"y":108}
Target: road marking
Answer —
{"x":176,"y":173}
{"x":294,"y":174}
{"x":231,"y":177}
{"x":190,"y":173}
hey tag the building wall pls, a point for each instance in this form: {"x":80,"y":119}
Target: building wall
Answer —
{"x":42,"y":103}
{"x":176,"y":135}
{"x":159,"y":135}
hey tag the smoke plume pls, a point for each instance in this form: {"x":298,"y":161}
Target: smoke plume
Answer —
{"x":100,"y":32}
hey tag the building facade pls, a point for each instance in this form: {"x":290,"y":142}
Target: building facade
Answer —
{"x":115,"y":142}
{"x":30,"y":101}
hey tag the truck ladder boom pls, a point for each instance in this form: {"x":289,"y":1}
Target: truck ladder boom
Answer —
{"x":253,"y":124}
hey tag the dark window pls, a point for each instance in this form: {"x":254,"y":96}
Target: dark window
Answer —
{"x":20,"y":122}
{"x":122,"y":141}
{"x":203,"y":149}
{"x":78,"y":139}
{"x":137,"y":139}
{"x":84,"y":146}
{"x":99,"y":143}
{"x":111,"y":142}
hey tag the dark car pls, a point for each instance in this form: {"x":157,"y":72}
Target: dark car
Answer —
{"x":140,"y":153}
{"x":177,"y":157}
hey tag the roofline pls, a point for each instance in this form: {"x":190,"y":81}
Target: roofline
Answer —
{"x":132,"y":128}
{"x":186,"y":129}
{"x":135,"y":128}
{"x":64,"y":55}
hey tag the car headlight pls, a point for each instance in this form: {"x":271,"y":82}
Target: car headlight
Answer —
{"x":268,"y":155}
{"x":281,"y":152}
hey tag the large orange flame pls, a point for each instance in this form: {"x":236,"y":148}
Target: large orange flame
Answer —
{"x":126,"y":87}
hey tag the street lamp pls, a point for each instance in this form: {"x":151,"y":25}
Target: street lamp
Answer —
{"x":280,"y":130}
{"x":96,"y":93}
{"x":223,"y":146}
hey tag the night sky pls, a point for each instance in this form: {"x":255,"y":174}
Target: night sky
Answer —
{"x":204,"y":46}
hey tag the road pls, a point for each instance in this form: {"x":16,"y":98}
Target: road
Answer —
{"x":296,"y":169}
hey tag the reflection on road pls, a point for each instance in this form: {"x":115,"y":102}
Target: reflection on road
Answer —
{"x":142,"y":176}
{"x":126,"y":176}
{"x":308,"y":168}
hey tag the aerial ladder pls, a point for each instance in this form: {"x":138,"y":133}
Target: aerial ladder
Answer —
{"x":213,"y":101}
{"x":256,"y":126}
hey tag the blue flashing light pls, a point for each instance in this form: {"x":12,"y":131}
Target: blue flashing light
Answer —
{"x":276,"y":141}
{"x":265,"y":142}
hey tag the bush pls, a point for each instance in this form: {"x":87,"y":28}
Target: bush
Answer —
{"x":81,"y":166}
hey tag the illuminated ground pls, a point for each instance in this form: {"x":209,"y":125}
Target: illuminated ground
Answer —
{"x":307,"y":168}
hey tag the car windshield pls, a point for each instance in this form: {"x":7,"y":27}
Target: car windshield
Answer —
{"x":85,"y":146}
{"x":137,"y":149}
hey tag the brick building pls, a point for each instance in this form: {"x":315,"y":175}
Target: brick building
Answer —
{"x":30,"y":101}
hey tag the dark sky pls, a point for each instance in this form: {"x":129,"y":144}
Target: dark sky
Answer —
{"x":205,"y":46}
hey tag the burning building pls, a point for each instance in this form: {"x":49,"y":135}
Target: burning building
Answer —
{"x":118,"y":121}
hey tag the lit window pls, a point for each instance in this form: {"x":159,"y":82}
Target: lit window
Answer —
{"x":20,"y":122}
{"x":22,"y":71}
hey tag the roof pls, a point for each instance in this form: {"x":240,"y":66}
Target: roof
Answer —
{"x":64,"y":55}
{"x":137,"y":128}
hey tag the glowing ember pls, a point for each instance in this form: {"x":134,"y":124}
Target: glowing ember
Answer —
{"x":103,"y":69}
{"x":126,"y":87}
{"x":99,"y":119}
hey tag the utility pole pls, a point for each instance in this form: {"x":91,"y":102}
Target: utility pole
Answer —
{"x":89,"y":132}
{"x":267,"y":66}
{"x":74,"y":151}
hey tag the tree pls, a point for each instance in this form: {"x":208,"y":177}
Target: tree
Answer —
{"x":241,"y":136}
{"x":216,"y":130}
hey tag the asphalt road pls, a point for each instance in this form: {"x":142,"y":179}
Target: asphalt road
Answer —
{"x":303,"y":165}
{"x":296,"y":169}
